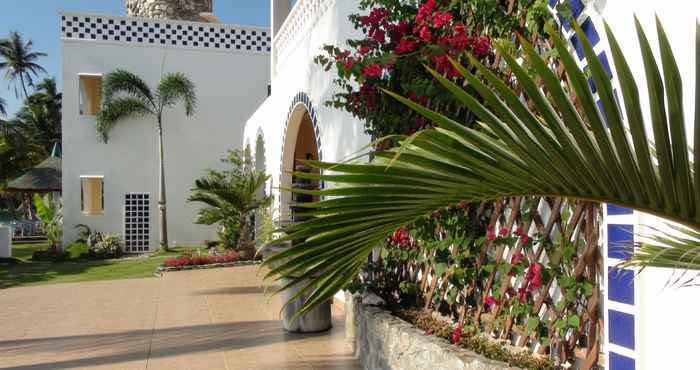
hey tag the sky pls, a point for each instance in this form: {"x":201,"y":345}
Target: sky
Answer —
{"x":38,"y":20}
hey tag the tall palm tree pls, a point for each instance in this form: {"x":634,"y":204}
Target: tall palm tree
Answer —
{"x":550,"y":150}
{"x":20,"y":61}
{"x":40,"y":117}
{"x":125,"y":95}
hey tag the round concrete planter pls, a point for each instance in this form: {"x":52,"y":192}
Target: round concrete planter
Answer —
{"x":316,"y":320}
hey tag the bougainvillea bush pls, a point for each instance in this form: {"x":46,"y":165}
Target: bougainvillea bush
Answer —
{"x":402,"y":36}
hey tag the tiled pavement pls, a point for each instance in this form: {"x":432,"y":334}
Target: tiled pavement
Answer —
{"x":205,"y":319}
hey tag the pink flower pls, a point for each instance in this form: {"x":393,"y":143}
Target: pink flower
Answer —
{"x":503,"y":232}
{"x":405,"y":46}
{"x":348,"y":64}
{"x":364,"y":50}
{"x":490,"y":300}
{"x":522,"y":294}
{"x":372,"y":70}
{"x":524,"y":239}
{"x":516,"y":258}
{"x":401,"y":238}
{"x":457,"y":334}
{"x":519,"y":231}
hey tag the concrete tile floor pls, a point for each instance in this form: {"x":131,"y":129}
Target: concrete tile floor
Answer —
{"x":206,"y":319}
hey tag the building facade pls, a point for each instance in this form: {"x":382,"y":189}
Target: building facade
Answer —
{"x":113,"y":187}
{"x":647,"y":326}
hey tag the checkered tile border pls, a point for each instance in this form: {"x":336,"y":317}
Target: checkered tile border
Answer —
{"x":165,"y":33}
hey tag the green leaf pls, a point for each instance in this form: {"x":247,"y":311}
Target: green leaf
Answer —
{"x":574,"y":321}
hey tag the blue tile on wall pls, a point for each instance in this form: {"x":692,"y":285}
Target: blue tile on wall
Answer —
{"x":621,"y":285}
{"x":564,"y":22}
{"x":620,"y":362}
{"x":577,"y":46}
{"x":614,"y":210}
{"x":621,"y":328}
{"x":606,"y":64}
{"x":620,"y":240}
{"x":576,"y":7}
{"x":553,"y":3}
{"x":601,"y":108}
{"x":590,"y":32}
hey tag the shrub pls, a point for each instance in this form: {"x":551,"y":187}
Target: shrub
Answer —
{"x":106,"y":246}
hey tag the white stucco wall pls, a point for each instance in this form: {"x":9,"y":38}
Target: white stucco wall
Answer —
{"x":666,"y":328}
{"x":340,"y":134}
{"x":230,"y":85}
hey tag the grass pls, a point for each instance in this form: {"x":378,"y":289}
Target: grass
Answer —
{"x":23,"y":271}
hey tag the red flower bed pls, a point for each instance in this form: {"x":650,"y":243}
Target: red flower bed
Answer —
{"x":200,"y":260}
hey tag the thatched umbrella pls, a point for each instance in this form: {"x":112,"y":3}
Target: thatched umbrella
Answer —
{"x":42,"y":178}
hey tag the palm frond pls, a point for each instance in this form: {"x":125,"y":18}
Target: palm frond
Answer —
{"x":554,"y":149}
{"x":124,"y":82}
{"x":3,"y":107}
{"x":116,"y":110}
{"x":175,"y":87}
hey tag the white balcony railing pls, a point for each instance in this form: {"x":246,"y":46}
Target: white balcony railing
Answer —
{"x":299,"y":22}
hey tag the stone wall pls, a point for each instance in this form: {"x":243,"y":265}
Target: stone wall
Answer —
{"x":169,"y":9}
{"x":385,"y":342}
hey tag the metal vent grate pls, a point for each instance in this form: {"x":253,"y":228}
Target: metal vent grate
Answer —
{"x":137,"y":221}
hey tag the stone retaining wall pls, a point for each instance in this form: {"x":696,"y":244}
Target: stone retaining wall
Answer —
{"x":384,"y":342}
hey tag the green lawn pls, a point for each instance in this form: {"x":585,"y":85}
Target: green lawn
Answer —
{"x":23,"y":271}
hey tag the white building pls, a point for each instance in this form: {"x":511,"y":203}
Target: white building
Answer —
{"x":647,"y":326}
{"x":113,"y":187}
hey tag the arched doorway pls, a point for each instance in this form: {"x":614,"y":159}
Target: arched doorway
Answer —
{"x":301,"y":142}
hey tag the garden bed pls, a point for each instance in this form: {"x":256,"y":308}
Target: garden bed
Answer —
{"x":161,"y":269}
{"x":413,"y":340}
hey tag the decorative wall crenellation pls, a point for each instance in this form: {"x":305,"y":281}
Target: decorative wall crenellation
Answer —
{"x":169,"y":9}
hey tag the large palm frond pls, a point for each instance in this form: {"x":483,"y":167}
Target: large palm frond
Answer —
{"x":118,"y":109}
{"x":174,"y":87}
{"x":556,"y":149}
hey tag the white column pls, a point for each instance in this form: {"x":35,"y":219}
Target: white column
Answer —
{"x":5,"y":242}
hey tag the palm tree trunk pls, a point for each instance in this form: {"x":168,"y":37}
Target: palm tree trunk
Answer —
{"x":24,"y":88}
{"x":161,"y":192}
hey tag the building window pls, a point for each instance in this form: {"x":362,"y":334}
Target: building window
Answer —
{"x":92,"y":195}
{"x":90,"y":95}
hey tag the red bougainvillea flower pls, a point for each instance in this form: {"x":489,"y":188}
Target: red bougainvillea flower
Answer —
{"x":490,"y":300}
{"x":519,"y":231}
{"x":525,"y":239}
{"x":425,"y":10}
{"x":372,"y":70}
{"x":364,"y":50}
{"x":456,"y":334}
{"x":405,"y":46}
{"x":517,"y":257}
{"x":481,"y":46}
{"x":401,"y":238}
{"x":425,"y":33}
{"x":533,"y":277}
{"x":522,"y":294}
{"x":441,"y":18}
{"x":503,"y":232}
{"x":348,"y":64}
{"x":377,"y":35}
{"x":490,"y":236}
{"x":342,"y":55}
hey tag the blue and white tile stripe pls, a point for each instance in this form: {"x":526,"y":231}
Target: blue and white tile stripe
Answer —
{"x":620,"y":309}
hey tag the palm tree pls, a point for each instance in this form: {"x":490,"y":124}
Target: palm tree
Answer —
{"x":550,"y":150}
{"x":125,"y":95}
{"x":20,"y":61}
{"x":230,"y":201}
{"x":40,"y":117}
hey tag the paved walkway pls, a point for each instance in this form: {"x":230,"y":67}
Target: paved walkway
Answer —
{"x":206,"y":319}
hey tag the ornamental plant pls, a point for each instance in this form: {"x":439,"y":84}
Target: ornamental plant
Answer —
{"x":399,"y":37}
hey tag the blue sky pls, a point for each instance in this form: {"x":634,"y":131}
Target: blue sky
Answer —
{"x":38,"y":20}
